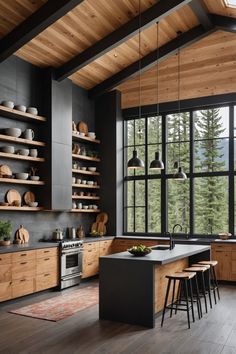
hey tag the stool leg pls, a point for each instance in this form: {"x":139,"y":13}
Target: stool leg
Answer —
{"x":187,"y":303}
{"x":216,"y":282}
{"x":204,"y":290}
{"x":166,"y":299}
{"x":178,"y":302}
{"x":199,"y":305}
{"x":191,"y":297}
{"x":209,"y":286}
{"x":212,"y":282}
{"x":173,"y":298}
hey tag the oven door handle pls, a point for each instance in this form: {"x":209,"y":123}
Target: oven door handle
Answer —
{"x":72,"y":276}
{"x":64,"y":253}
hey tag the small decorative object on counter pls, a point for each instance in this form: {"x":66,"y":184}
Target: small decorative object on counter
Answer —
{"x":5,"y":233}
{"x":80,"y":232}
{"x":22,"y":235}
{"x":57,"y":234}
{"x":224,"y":235}
{"x":139,"y":251}
{"x":100,"y":225}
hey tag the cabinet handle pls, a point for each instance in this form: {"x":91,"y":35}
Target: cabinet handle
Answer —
{"x":22,"y":280}
{"x":46,"y":275}
{"x":0,"y":259}
{"x":89,"y":250}
{"x":23,"y":263}
{"x":46,"y":259}
{"x":23,"y":255}
{"x":90,"y":263}
{"x":46,"y":251}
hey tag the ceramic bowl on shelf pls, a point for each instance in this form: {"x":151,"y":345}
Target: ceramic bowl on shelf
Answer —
{"x":83,"y":168}
{"x":8,"y":149}
{"x":15,"y":132}
{"x":90,"y":183}
{"x":22,"y":176}
{"x":32,"y":110}
{"x":85,"y":206}
{"x":95,"y":207}
{"x":92,"y":169}
{"x":33,"y":152}
{"x":91,"y":135}
{"x":34,"y":178}
{"x":23,"y":152}
{"x":81,"y":135}
{"x":84,"y":181}
{"x":20,"y":107}
{"x":8,"y":104}
{"x":33,"y":204}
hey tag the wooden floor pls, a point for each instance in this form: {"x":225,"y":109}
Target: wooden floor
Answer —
{"x":83,"y":333}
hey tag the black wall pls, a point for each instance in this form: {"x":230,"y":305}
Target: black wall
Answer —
{"x":25,"y":84}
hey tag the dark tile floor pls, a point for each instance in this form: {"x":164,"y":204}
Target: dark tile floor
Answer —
{"x":83,"y":333}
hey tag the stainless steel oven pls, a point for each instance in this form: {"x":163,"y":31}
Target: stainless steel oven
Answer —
{"x":71,"y":263}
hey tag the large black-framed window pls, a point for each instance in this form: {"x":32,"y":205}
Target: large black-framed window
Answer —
{"x":202,"y":140}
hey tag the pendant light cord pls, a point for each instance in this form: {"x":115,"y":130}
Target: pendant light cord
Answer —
{"x":179,"y":98}
{"x":157,"y":91}
{"x":139,"y":40}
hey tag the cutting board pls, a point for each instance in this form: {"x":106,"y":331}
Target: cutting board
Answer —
{"x":22,"y":234}
{"x":29,"y":197}
{"x":82,"y":127}
{"x":102,"y":217}
{"x":13,"y":195}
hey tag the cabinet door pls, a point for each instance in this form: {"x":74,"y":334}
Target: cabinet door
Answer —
{"x":22,"y":287}
{"x":47,"y":264}
{"x":47,"y":280}
{"x":24,"y":269}
{"x":223,"y":268}
{"x":5,"y":291}
{"x":233,"y":266}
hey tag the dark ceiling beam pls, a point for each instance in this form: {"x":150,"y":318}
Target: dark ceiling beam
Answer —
{"x":150,"y":59}
{"x":223,"y":22}
{"x":154,"y":14}
{"x":200,"y":10}
{"x":45,"y":16}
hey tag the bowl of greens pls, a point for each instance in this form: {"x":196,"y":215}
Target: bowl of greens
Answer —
{"x":139,"y":250}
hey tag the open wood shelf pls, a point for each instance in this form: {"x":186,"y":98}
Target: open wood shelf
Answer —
{"x":21,"y":181}
{"x":24,"y":208}
{"x":88,"y":158}
{"x":85,"y":138}
{"x":21,"y":141}
{"x":84,"y":186}
{"x":85,"y":197}
{"x":15,"y":114}
{"x":21,"y":157}
{"x":81,"y":172}
{"x":85,"y":211}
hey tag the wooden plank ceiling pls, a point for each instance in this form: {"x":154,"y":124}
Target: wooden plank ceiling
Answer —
{"x":207,"y":67}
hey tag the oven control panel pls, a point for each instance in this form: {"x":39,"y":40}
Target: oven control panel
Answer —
{"x":71,"y":244}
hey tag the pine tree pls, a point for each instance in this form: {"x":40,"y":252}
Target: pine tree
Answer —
{"x":210,"y":192}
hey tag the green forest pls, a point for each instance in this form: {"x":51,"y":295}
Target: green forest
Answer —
{"x":210,"y":154}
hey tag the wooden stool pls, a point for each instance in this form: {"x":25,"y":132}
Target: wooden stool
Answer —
{"x":200,"y":273}
{"x":184,"y":279}
{"x":215,"y":286}
{"x":207,"y":280}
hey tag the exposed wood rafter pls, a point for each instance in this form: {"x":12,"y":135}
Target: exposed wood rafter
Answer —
{"x":46,"y":15}
{"x":223,"y":22}
{"x":200,"y":11}
{"x":151,"y":59}
{"x":122,"y":34}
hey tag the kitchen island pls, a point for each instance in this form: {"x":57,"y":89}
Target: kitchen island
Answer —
{"x":132,"y":289}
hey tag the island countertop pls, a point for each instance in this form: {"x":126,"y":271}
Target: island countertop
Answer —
{"x":162,"y":256}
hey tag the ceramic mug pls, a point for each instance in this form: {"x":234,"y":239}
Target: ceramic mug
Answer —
{"x":73,"y":180}
{"x":80,"y":205}
{"x":28,"y":134}
{"x":33,"y":152}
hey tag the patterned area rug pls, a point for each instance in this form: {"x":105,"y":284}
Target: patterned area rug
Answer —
{"x":62,"y":306}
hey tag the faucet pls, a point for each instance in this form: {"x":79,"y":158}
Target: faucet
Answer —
{"x":172,"y":243}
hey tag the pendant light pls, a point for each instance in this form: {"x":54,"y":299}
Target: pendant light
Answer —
{"x":135,"y":162}
{"x":180,"y":175}
{"x":157,"y":163}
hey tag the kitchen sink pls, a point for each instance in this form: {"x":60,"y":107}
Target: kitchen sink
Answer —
{"x":160,"y":248}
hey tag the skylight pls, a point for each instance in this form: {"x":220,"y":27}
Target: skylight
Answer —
{"x":230,"y":3}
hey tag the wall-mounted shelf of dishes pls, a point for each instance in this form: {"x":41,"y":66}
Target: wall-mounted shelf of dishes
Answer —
{"x":23,"y":208}
{"x":17,"y":114}
{"x":85,"y":211}
{"x":84,"y":157}
{"x":86,"y":139}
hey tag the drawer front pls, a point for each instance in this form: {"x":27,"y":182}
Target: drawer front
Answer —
{"x":23,"y":256}
{"x":47,"y":252}
{"x":47,"y":264}
{"x":23,"y":269}
{"x":90,"y":255}
{"x":5,"y":258}
{"x":5,"y":291}
{"x":106,"y":244}
{"x":22,"y":287}
{"x":5,"y":273}
{"x":90,"y":269}
{"x":47,"y":280}
{"x":221,"y":247}
{"x":91,"y":246}
{"x":105,"y":251}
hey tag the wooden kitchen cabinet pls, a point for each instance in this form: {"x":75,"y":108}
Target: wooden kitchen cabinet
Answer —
{"x":23,"y":273}
{"x":225,"y":254}
{"x":121,"y":245}
{"x":90,"y":259}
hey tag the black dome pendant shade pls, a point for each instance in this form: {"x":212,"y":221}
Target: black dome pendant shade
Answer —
{"x":180,"y":175}
{"x":135,"y":162}
{"x":157,"y":164}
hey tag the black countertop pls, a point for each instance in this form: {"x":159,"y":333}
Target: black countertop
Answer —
{"x":27,"y":247}
{"x":161,"y":257}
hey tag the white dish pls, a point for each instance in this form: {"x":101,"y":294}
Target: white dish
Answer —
{"x":34,"y":178}
{"x":83,"y":168}
{"x":92,"y":169}
{"x":92,"y":135}
{"x":95,"y":207}
{"x":84,"y":181}
{"x":8,"y":149}
{"x":32,"y":110}
{"x":33,"y":204}
{"x":82,"y":135}
{"x":90,"y":183}
{"x":22,"y":175}
{"x":15,"y":132}
{"x":20,"y":107}
{"x":85,"y":206}
{"x":24,"y":152}
{"x":8,"y":104}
